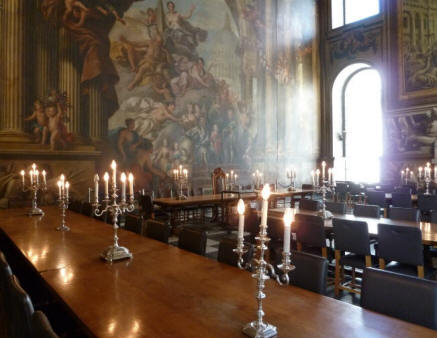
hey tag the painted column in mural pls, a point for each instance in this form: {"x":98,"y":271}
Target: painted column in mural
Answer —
{"x":97,"y":122}
{"x":46,"y":55}
{"x":69,"y":80}
{"x":13,"y":45}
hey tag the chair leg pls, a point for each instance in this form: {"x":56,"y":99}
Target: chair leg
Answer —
{"x":325,"y":252}
{"x":337,"y":272}
{"x":353,"y":278}
{"x":368,"y":261}
{"x":381,"y":263}
{"x":299,"y":246}
{"x":420,"y":271}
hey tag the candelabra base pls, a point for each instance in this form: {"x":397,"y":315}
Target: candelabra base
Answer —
{"x":115,"y":253}
{"x":63,"y":227}
{"x":325,"y":214}
{"x":264,"y":331}
{"x":181,"y":197}
{"x":35,"y":211}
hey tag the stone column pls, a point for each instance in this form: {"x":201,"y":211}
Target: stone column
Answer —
{"x":69,"y":80}
{"x":97,"y":121}
{"x":13,"y":52}
{"x":46,"y":54}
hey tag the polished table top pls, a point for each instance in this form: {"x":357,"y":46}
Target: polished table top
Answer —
{"x":217,"y":198}
{"x":429,"y":230}
{"x":167,"y":292}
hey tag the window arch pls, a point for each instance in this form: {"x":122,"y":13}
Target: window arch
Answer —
{"x":344,"y":12}
{"x":357,"y":123}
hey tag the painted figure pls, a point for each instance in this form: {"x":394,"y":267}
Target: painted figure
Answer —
{"x":128,"y":141}
{"x":39,"y":122}
{"x":56,"y":126}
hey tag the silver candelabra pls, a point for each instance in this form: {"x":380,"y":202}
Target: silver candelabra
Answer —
{"x":63,"y":201}
{"x":114,"y":207}
{"x":323,"y":189}
{"x":291,"y":175}
{"x":180,"y":177}
{"x":263,"y":272}
{"x":34,"y":186}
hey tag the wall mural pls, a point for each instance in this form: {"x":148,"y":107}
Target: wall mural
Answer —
{"x":202,"y":83}
{"x":418,"y":48}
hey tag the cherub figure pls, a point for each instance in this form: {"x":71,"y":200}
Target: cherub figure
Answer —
{"x":103,"y":6}
{"x":39,"y":124}
{"x":56,"y":126}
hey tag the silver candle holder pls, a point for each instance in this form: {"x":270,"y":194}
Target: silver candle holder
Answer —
{"x":180,"y":177}
{"x":323,"y":189}
{"x":291,"y":175}
{"x":34,"y":186}
{"x":114,"y":207}
{"x":63,"y":201}
{"x":264,"y":270}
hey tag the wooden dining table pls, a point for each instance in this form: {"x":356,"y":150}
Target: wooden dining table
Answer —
{"x":429,"y":230}
{"x":164,"y":291}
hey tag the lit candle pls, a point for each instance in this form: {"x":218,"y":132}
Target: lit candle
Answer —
{"x":22,"y":177}
{"x":411,"y":175}
{"x":175,"y":174}
{"x":31,"y":177}
{"x":131,"y":185}
{"x":428,"y":164}
{"x":235,"y":178}
{"x":96,"y":188}
{"x":186,"y":173}
{"x":180,"y":170}
{"x":323,"y":170}
{"x":67,"y":186}
{"x":37,"y":176}
{"x":288,"y":218}
{"x":329,"y":175}
{"x":402,"y":175}
{"x":33,"y":167}
{"x":123,"y":187}
{"x":240,"y":208}
{"x":60,"y":189}
{"x":265,"y":206}
{"x":317,"y":176}
{"x":232,"y":174}
{"x":44,"y":177}
{"x":420,"y":172}
{"x":312,"y":177}
{"x":106,"y":179}
{"x":114,"y":173}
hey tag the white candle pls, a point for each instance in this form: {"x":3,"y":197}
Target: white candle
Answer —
{"x":123,"y":187}
{"x":44,"y":177}
{"x":288,"y":218}
{"x":402,"y":175}
{"x":31,"y":177}
{"x":67,"y":186}
{"x":186,"y":173}
{"x":312,"y":177}
{"x":114,"y":173}
{"x":131,"y":185}
{"x":37,"y":176}
{"x":329,"y":175}
{"x":106,"y":179}
{"x":60,"y":189}
{"x":428,"y":164}
{"x":180,"y":170}
{"x":235,"y":178}
{"x":420,"y":172}
{"x":435,"y":173}
{"x":240,"y":208}
{"x":96,"y":188}
{"x":265,"y":206}
{"x":323,"y":170}
{"x":22,"y":177}
{"x":317,"y":177}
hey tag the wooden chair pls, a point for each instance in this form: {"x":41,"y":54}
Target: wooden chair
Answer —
{"x":351,"y":238}
{"x":336,"y":207}
{"x":227,"y":255}
{"x":363,"y":210}
{"x":134,"y":224}
{"x":312,"y":205}
{"x":158,"y":230}
{"x":21,"y":310}
{"x":402,"y":247}
{"x":193,"y":240}
{"x":405,"y":297}
{"x":218,"y":178}
{"x":310,"y":234}
{"x":405,"y":214}
{"x":41,"y":327}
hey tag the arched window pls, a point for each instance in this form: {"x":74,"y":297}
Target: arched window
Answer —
{"x":357,"y":123}
{"x":344,"y":12}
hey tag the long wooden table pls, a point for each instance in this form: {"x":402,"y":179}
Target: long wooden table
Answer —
{"x":429,"y":230}
{"x":174,"y":205}
{"x":167,"y":292}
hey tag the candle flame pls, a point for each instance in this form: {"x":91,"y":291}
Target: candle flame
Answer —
{"x":123,"y":177}
{"x":106,"y":176}
{"x":62,"y":178}
{"x":59,"y":184}
{"x":266,"y":192}
{"x":67,"y":185}
{"x":33,"y":166}
{"x":131,"y":177}
{"x":113,"y":165}
{"x":240,"y":207}
{"x":22,"y":172}
{"x":43,"y":172}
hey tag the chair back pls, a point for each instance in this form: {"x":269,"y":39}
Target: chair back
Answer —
{"x":227,"y":255}
{"x":251,"y":223}
{"x":306,"y":186}
{"x":310,"y":230}
{"x":336,"y":207}
{"x":433,"y":216}
{"x":310,"y":273}
{"x":400,"y":243}
{"x":275,"y":229}
{"x":365,"y":210}
{"x":134,"y":223}
{"x":193,"y":240}
{"x":75,"y":206}
{"x":5,"y":275}
{"x":386,"y":187}
{"x":401,"y":296}
{"x":426,"y":203}
{"x":146,"y":206}
{"x":312,"y":205}
{"x":401,"y":200}
{"x":354,"y":188}
{"x":87,"y":209}
{"x":21,"y":310}
{"x":352,"y":236}
{"x":41,"y":327}
{"x":405,"y":214}
{"x":158,"y":230}
{"x":218,"y":178}
{"x":376,"y":198}
{"x":403,"y":190}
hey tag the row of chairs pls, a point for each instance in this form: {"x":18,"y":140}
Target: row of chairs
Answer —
{"x":18,"y":311}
